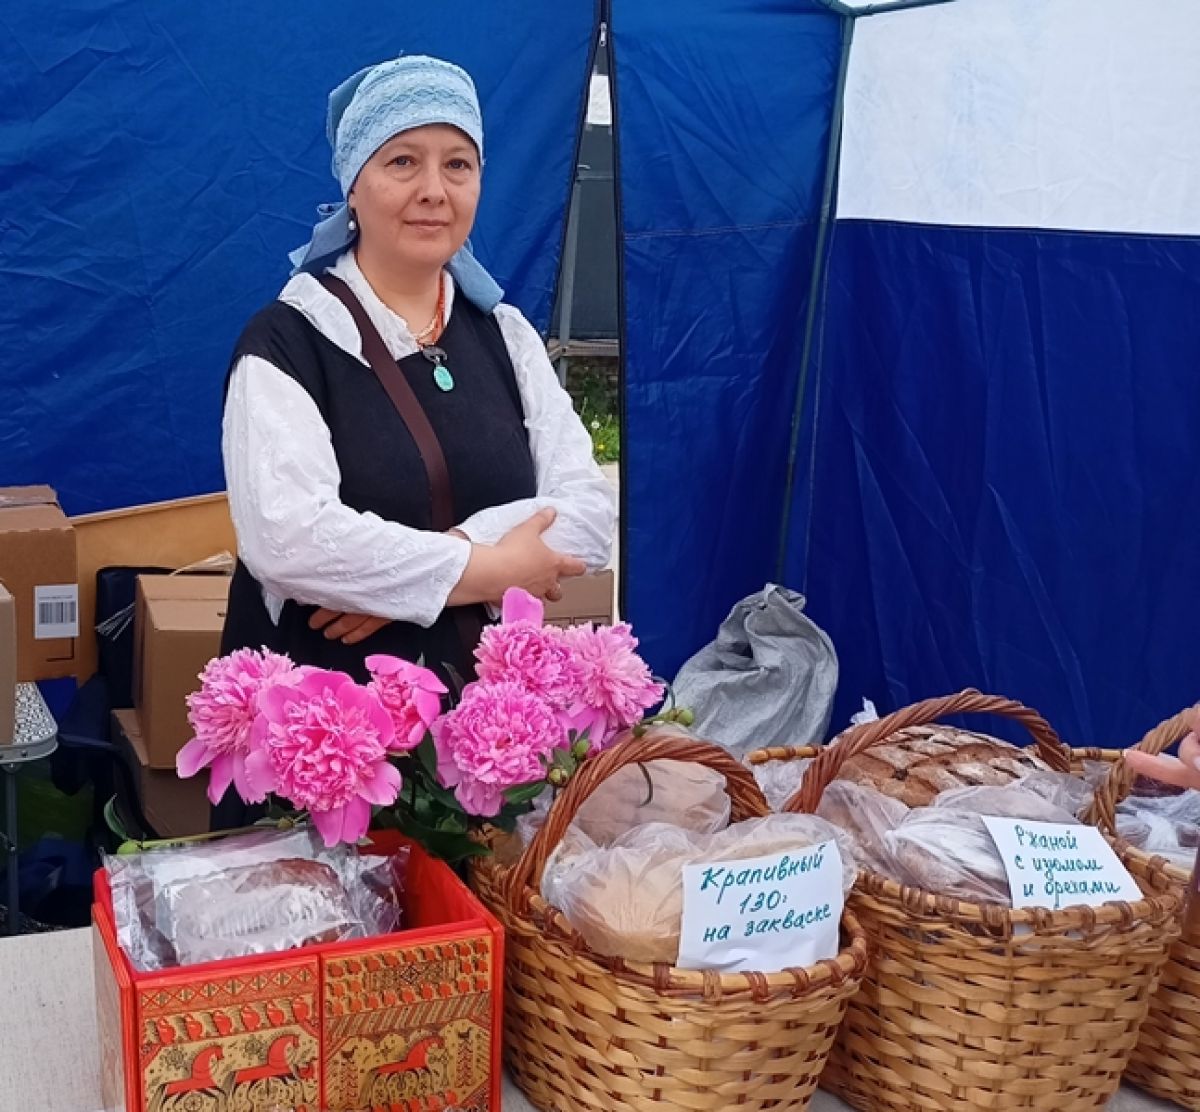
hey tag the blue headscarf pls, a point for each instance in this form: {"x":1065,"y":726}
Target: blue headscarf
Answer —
{"x":367,"y":110}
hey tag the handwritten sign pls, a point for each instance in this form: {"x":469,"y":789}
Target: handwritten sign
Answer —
{"x":764,"y":914}
{"x":1056,"y":865}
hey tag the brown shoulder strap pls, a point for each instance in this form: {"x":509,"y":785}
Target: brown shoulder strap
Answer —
{"x":388,"y":371}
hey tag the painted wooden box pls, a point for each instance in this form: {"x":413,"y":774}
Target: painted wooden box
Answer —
{"x":406,"y":1022}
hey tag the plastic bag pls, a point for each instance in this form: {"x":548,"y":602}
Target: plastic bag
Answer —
{"x":626,"y":900}
{"x":258,"y":892}
{"x":946,"y":848}
{"x":680,"y":793}
{"x":768,"y":678}
{"x":1165,"y":825}
{"x":1061,"y":789}
{"x":780,"y":780}
{"x":866,"y":815}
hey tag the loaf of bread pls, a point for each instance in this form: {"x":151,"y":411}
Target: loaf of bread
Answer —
{"x":256,"y":909}
{"x":626,"y":900}
{"x":946,"y":848}
{"x":918,"y":763}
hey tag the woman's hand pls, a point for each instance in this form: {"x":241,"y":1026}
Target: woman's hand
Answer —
{"x":1182,"y":771}
{"x":531,"y":563}
{"x":350,"y":629}
{"x":521,"y":558}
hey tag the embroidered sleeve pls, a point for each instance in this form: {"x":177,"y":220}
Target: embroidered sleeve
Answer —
{"x":296,"y":536}
{"x":568,"y":477}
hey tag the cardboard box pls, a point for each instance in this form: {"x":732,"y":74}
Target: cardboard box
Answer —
{"x":175,"y":808}
{"x":177,"y":629}
{"x":410,"y":1020}
{"x":587,"y":598}
{"x":38,"y":566}
{"x":168,"y":535}
{"x":8,"y":667}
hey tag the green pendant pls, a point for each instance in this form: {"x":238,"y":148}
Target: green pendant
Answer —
{"x":443,"y":378}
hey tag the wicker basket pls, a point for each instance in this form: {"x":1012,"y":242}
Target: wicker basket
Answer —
{"x":973,"y":1006}
{"x":584,"y":1032}
{"x":1166,"y":1061}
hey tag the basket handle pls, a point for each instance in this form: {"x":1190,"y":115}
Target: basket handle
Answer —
{"x":1118,"y":783}
{"x":745,"y":795}
{"x":828,"y":763}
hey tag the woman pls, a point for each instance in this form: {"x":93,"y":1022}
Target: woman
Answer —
{"x":365,"y":527}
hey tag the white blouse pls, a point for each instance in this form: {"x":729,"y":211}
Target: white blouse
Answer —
{"x":301,"y":542}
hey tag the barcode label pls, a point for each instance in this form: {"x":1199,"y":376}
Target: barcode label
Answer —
{"x":57,"y":612}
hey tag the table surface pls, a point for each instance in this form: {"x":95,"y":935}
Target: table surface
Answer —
{"x":49,"y":1059}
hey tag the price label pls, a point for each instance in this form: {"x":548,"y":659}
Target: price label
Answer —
{"x":1056,"y":865}
{"x":763,"y":914}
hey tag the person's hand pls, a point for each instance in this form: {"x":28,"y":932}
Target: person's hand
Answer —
{"x":529,"y":563}
{"x":1182,"y":771}
{"x":350,"y":629}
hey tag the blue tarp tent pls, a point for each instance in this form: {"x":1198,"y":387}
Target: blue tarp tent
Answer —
{"x":911,"y":299}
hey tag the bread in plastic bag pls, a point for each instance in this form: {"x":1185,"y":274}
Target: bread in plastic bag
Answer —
{"x":1165,"y":825}
{"x":947,"y":849}
{"x":680,"y":793}
{"x":1062,"y":789}
{"x":256,"y":909}
{"x":866,"y":815}
{"x":258,"y":892}
{"x":626,"y":899}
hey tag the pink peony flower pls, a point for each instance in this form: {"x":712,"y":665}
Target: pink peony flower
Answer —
{"x":410,"y":694}
{"x":222,"y":714}
{"x":615,"y":687}
{"x":323,"y":744}
{"x":530,"y":654}
{"x":498,"y":737}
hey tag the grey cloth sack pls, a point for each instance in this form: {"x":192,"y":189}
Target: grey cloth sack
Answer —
{"x":769,"y":678}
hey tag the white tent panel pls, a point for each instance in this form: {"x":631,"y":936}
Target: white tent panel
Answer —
{"x":1058,"y":114}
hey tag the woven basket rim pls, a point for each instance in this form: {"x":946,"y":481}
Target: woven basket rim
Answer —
{"x":669,"y":980}
{"x":997,"y":917}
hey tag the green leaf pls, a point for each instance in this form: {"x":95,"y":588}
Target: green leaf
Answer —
{"x":525,"y":793}
{"x":426,"y":754}
{"x":452,"y":846}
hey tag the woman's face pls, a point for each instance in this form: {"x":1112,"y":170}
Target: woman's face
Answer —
{"x":416,"y":197}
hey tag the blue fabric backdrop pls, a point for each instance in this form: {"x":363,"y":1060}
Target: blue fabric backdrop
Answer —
{"x":723,"y":114}
{"x":162,"y":157}
{"x":1005,"y":471}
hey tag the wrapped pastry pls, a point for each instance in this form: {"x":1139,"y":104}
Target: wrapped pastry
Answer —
{"x":947,"y":849}
{"x":626,"y":900}
{"x":866,"y":815}
{"x":679,"y":793}
{"x":1167,"y":825}
{"x":256,"y":909}
{"x":248,"y":893}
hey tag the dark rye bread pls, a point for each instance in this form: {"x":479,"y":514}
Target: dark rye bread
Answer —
{"x":919,"y":762}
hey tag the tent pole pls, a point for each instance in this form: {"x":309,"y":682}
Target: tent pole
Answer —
{"x":818,"y":276}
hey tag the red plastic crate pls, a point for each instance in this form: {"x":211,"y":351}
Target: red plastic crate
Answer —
{"x":405,"y":1022}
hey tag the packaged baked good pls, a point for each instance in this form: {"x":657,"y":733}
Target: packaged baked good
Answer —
{"x":626,"y":899}
{"x":1167,"y":825}
{"x":866,"y":814}
{"x":256,"y":892}
{"x":947,"y":849}
{"x":679,"y":793}
{"x":256,"y":909}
